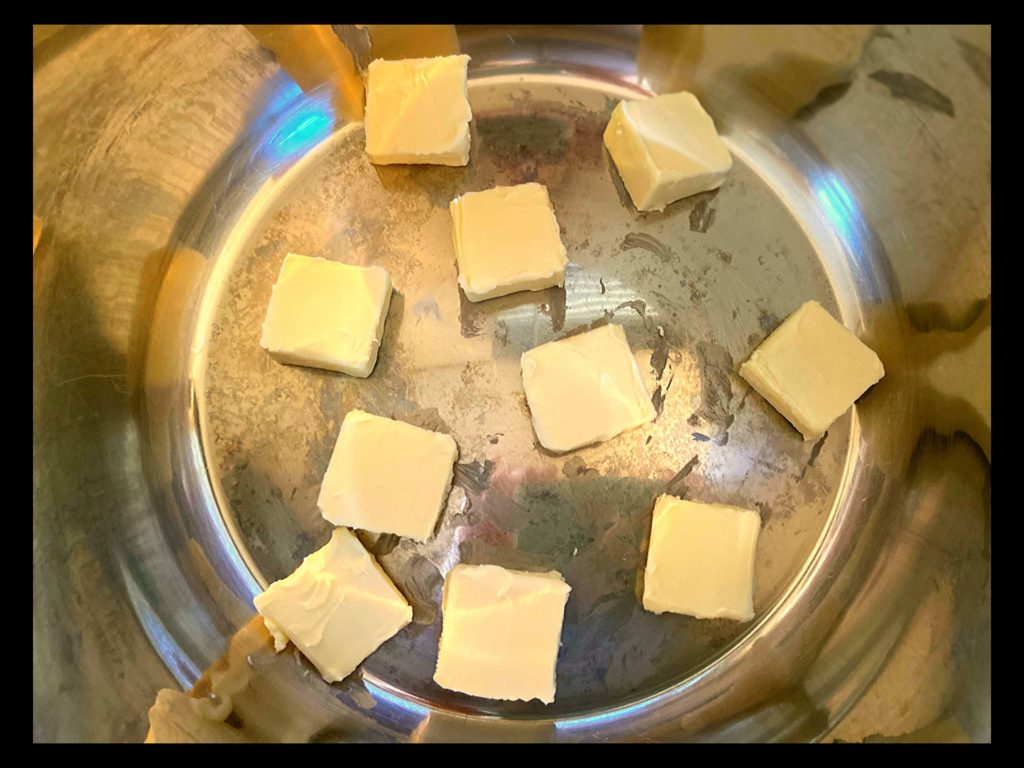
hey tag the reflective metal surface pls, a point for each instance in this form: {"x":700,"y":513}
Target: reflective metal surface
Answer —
{"x":176,"y":466}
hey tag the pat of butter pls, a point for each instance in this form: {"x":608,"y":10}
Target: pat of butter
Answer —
{"x":327,"y":315}
{"x":701,"y":560}
{"x":507,"y":240}
{"x":500,"y":633}
{"x":387,"y":476}
{"x":812,"y":369}
{"x":337,"y":607}
{"x":666,"y":148}
{"x":584,"y":389}
{"x":417,"y":111}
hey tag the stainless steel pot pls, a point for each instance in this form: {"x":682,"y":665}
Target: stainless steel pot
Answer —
{"x":175,"y":467}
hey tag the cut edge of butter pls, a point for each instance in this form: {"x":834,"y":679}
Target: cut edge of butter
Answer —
{"x":758,"y":373}
{"x":533,"y":586}
{"x":325,"y":582}
{"x":638,"y":401}
{"x":383,"y":123}
{"x":634,"y":140}
{"x":343,"y":501}
{"x":280,"y":638}
{"x":747,"y":525}
{"x":479,"y":286}
{"x":361,"y":364}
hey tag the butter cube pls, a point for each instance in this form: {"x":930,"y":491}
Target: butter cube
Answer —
{"x":507,"y":240}
{"x":812,"y":369}
{"x":417,"y":111}
{"x":500,"y":633}
{"x":387,"y":476}
{"x":337,"y":607}
{"x":666,"y":148}
{"x":701,"y":560}
{"x":327,"y":315}
{"x":584,"y":389}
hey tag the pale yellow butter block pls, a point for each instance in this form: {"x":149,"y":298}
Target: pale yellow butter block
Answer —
{"x":417,"y":111}
{"x":387,"y":476}
{"x":701,"y":560}
{"x":666,"y":148}
{"x":584,"y":389}
{"x":507,"y":240}
{"x":324,"y":314}
{"x":812,"y":369}
{"x":337,"y":607}
{"x":500,"y":633}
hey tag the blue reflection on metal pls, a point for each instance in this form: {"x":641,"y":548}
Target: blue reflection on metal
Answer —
{"x":282,"y":92}
{"x":839,"y":207}
{"x":282,"y":96}
{"x":292,"y":123}
{"x":848,"y":224}
{"x":301,"y":129}
{"x":609,"y":717}
{"x":409,"y":706}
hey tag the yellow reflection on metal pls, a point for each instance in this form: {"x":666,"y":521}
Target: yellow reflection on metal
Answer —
{"x":312,"y":55}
